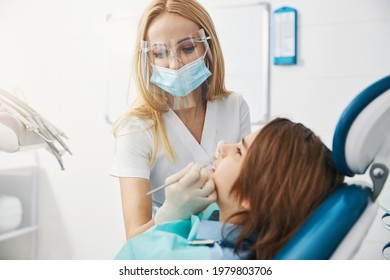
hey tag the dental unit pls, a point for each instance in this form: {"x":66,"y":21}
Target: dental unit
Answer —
{"x":23,"y":127}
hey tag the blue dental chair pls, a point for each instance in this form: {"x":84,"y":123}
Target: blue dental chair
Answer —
{"x":361,"y":142}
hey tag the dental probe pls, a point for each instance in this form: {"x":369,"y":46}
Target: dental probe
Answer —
{"x":175,"y":181}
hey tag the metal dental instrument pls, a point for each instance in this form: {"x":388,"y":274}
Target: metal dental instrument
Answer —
{"x":175,"y":181}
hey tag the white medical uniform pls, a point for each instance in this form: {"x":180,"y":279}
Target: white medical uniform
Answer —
{"x":226,"y":119}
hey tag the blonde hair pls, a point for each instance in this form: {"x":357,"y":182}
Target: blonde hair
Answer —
{"x":149,"y":106}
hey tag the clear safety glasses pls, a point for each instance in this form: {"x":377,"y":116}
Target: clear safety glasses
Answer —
{"x":176,"y":53}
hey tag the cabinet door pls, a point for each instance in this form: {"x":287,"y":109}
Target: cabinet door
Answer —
{"x":20,"y":182}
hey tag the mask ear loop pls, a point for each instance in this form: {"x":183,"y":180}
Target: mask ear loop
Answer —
{"x":144,"y":62}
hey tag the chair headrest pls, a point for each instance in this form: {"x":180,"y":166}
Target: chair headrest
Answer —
{"x":362,"y":129}
{"x":320,"y":235}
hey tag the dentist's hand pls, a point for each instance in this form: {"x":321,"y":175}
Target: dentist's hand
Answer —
{"x":190,"y":195}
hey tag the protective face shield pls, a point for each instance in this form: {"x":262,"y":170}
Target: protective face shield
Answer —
{"x":178,"y":68}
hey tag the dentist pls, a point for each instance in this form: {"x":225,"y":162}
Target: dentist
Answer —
{"x":182,"y":110}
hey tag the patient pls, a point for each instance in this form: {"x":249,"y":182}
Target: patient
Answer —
{"x":267,"y":186}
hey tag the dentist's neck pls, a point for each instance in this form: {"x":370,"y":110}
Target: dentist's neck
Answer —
{"x":192,"y":114}
{"x":194,"y":118}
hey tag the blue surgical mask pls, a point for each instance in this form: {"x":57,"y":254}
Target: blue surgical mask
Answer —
{"x":183,"y":81}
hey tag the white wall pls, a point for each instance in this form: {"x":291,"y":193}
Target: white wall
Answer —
{"x":54,"y":53}
{"x":343,"y":46}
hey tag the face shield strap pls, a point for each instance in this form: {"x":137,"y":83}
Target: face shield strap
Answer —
{"x":206,"y":45}
{"x":144,"y":62}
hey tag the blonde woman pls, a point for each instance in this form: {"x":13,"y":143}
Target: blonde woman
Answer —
{"x":182,"y":109}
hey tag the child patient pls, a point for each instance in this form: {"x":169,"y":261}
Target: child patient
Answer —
{"x":267,"y":186}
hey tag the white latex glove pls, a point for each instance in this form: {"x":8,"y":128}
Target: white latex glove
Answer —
{"x":190,"y":195}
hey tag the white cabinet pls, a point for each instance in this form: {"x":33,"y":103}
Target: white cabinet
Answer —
{"x":18,"y":177}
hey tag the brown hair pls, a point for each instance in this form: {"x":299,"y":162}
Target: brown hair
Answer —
{"x":287,"y":173}
{"x":147,"y":106}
